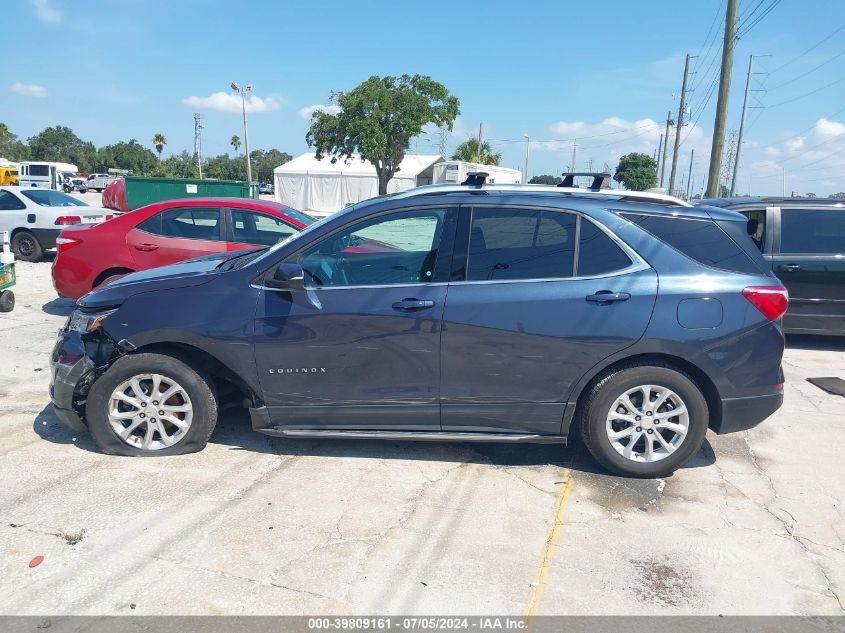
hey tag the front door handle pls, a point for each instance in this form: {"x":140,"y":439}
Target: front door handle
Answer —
{"x":146,"y":247}
{"x":411,"y":305}
{"x":606,"y":296}
{"x":789,"y":268}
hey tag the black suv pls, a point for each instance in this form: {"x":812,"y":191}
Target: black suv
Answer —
{"x":803,"y":239}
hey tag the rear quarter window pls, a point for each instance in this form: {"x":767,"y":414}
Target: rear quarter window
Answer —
{"x":701,"y":240}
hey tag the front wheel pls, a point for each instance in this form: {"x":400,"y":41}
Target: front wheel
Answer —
{"x":644,"y":420}
{"x":7,"y":301}
{"x":26,"y":247}
{"x":151,"y":404}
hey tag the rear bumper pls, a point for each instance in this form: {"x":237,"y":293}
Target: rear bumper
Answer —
{"x":46,"y":237}
{"x":741,"y":414}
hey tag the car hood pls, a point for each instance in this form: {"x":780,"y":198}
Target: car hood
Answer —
{"x":192,"y":272}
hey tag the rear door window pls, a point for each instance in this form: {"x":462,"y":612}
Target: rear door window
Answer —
{"x":699,"y":239}
{"x":195,"y":223}
{"x":598,"y":254}
{"x":10,"y":202}
{"x":250,"y":227}
{"x":812,"y":231}
{"x":509,"y":244}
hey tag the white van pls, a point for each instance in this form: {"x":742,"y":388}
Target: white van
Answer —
{"x":44,"y":173}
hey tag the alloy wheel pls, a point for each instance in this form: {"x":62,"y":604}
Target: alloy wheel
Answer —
{"x":150,"y":412}
{"x":647,"y":423}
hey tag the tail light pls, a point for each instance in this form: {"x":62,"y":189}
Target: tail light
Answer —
{"x":771,"y":301}
{"x":65,"y":243}
{"x":66,"y":220}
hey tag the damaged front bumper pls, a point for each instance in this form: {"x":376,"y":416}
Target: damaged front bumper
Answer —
{"x":77,"y":360}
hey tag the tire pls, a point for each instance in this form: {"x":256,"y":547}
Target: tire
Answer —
{"x":7,"y":301}
{"x":196,"y":393}
{"x":26,"y":247}
{"x":603,"y":412}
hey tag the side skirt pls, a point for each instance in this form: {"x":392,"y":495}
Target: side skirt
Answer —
{"x":417,"y":436}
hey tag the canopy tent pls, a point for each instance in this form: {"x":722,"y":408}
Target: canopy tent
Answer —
{"x":308,"y":184}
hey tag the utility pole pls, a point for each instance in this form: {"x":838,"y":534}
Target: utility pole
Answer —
{"x":527,"y":150}
{"x":669,"y":123}
{"x":783,"y":173}
{"x":198,"y":126}
{"x":689,"y":176}
{"x":718,"y":147}
{"x":657,"y":155}
{"x":748,"y":91}
{"x":574,"y":148}
{"x":479,"y":142}
{"x":680,"y":125}
{"x":242,"y":91}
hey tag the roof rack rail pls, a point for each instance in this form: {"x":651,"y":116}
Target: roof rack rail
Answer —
{"x":601,"y":179}
{"x":476,"y":178}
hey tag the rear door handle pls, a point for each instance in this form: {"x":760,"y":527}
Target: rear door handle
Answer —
{"x":410,"y":305}
{"x":789,"y":268}
{"x":606,"y":296}
{"x":146,"y":247}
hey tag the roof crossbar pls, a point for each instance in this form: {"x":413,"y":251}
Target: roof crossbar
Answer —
{"x":476,"y":179}
{"x":601,"y":179}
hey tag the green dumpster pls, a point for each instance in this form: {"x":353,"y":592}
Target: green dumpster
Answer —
{"x":141,"y":191}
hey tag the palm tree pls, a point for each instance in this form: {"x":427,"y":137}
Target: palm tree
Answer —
{"x":235,"y":142}
{"x":159,"y":141}
{"x":470,"y":152}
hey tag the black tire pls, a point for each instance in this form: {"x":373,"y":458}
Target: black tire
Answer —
{"x":7,"y":301}
{"x":601,"y":396}
{"x":195,"y":382}
{"x":27,"y":247}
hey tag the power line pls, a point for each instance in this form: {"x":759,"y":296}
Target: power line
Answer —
{"x":766,"y":12}
{"x":705,"y":45}
{"x":808,"y":94}
{"x":809,"y":50}
{"x":808,"y":72}
{"x":748,"y":16}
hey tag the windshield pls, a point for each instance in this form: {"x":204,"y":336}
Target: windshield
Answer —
{"x":50,"y":198}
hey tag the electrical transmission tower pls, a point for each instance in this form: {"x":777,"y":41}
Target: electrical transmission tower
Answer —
{"x":198,"y":126}
{"x":442,"y":146}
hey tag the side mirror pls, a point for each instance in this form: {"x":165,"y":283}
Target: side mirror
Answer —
{"x":288,"y":276}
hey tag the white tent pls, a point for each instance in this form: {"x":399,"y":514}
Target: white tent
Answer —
{"x":308,"y":184}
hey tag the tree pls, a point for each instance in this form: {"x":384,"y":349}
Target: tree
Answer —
{"x":378,"y":119}
{"x":545,"y":180}
{"x":264,"y":162}
{"x":182,"y":165}
{"x":159,"y":141}
{"x":224,"y":167}
{"x":839,"y":195}
{"x":61,"y":144}
{"x":636,"y":172}
{"x":10,"y":146}
{"x":235,"y":142}
{"x":470,"y":152}
{"x":123,"y":155}
{"x":810,"y":195}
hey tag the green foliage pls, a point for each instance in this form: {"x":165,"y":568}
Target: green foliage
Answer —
{"x":132,"y":155}
{"x":182,"y":165}
{"x":379,"y":118}
{"x":471,"y":152}
{"x":61,"y":144}
{"x":224,"y":167}
{"x":263,"y":163}
{"x":159,"y":140}
{"x":636,"y":172}
{"x":545,"y":179}
{"x":838,"y":196}
{"x":235,"y":142}
{"x":10,"y":146}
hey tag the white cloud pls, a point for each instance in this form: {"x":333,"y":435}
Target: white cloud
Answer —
{"x":231,"y":102}
{"x":308,"y":111}
{"x":44,"y":12}
{"x":28,"y":90}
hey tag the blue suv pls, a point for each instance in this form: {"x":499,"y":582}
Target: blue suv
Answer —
{"x":470,"y":312}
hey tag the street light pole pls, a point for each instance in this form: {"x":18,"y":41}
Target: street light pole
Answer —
{"x":527,"y":150}
{"x":242,"y":92}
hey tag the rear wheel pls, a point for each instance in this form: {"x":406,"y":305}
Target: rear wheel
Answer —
{"x":644,"y":420}
{"x":151,"y":404}
{"x":7,"y":301}
{"x":26,"y":247}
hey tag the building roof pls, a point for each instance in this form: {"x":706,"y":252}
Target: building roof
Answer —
{"x":410,"y":167}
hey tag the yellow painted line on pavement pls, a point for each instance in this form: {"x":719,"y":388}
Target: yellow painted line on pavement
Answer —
{"x":535,"y":596}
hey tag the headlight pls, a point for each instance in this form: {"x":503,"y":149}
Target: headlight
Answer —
{"x":85,"y":322}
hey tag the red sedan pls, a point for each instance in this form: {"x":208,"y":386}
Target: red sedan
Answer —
{"x":165,"y":233}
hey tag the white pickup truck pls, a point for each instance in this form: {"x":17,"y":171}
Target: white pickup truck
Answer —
{"x":97,"y":182}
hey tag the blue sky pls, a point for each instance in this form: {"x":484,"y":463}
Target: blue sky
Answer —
{"x":603,"y":73}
